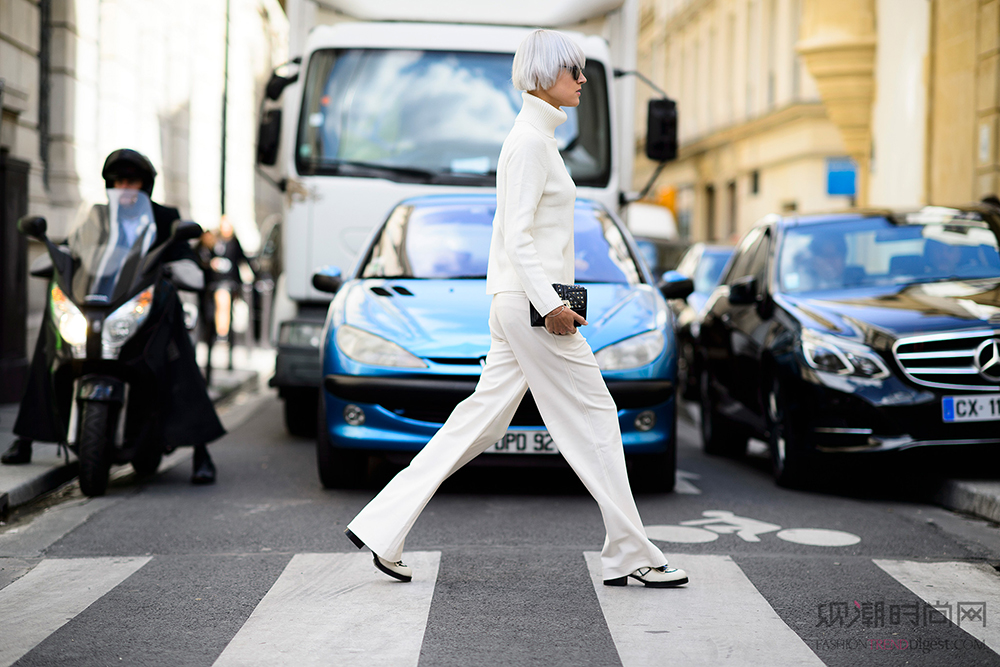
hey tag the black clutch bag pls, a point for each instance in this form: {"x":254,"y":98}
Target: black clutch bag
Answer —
{"x":573,"y":296}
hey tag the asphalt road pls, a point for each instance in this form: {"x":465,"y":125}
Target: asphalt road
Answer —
{"x":256,"y":570}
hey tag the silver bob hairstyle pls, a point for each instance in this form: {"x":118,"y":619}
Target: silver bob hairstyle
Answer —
{"x":540,"y":57}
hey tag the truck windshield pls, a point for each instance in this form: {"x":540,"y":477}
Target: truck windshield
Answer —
{"x":433,"y":116}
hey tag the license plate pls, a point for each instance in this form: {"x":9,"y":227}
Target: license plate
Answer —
{"x":524,"y":442}
{"x":979,"y":408}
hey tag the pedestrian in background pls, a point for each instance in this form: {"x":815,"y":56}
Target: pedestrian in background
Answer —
{"x":531,"y":248}
{"x":227,"y":258}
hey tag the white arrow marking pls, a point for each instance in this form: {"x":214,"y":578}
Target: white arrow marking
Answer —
{"x":682,"y":485}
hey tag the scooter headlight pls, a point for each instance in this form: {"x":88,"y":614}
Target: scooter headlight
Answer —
{"x":70,"y":322}
{"x":122,"y":324}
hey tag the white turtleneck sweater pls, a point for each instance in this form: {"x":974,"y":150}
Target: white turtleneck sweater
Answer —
{"x":532,"y":244}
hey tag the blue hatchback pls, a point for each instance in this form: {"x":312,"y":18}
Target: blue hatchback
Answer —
{"x":407,"y":333}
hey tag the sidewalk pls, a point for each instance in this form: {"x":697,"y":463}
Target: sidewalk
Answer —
{"x":20,"y":484}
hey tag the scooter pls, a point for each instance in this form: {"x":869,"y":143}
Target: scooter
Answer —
{"x":104,"y":310}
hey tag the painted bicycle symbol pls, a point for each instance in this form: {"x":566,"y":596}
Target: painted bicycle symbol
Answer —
{"x":722,"y":522}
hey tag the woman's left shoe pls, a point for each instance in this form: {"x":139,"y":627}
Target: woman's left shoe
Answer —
{"x":395,"y":570}
{"x":654,"y":577}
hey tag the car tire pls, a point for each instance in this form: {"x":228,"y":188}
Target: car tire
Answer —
{"x":719,"y":436}
{"x":338,"y":468}
{"x":792,"y":462}
{"x":655,"y":473}
{"x":300,"y":411}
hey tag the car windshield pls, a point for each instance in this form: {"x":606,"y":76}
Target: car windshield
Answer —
{"x":452,"y":241}
{"x":433,"y":116}
{"x":929,"y":246}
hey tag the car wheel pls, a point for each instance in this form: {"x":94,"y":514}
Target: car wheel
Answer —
{"x":300,"y":411}
{"x":719,"y":436}
{"x":655,"y":473}
{"x":338,"y":468}
{"x":791,"y":460}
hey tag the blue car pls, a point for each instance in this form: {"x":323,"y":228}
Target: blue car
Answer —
{"x":407,"y":333}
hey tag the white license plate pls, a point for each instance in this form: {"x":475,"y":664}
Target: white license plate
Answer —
{"x":977,"y":408}
{"x":524,"y":442}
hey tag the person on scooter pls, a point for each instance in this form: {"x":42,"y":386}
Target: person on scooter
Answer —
{"x":187,"y":413}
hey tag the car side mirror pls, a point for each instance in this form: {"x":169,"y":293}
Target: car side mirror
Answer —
{"x":277,"y":83}
{"x":743,"y":291}
{"x":33,"y":226}
{"x":661,"y":130}
{"x":185,"y":230}
{"x":675,"y":285}
{"x":328,"y":279}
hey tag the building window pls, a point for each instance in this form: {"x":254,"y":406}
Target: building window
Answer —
{"x":731,"y":193}
{"x":710,"y":230}
{"x":755,"y":182}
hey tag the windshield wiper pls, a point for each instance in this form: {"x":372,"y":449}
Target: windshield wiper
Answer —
{"x":380,"y":169}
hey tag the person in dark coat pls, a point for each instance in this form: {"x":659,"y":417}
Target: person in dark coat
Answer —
{"x":186,"y":414}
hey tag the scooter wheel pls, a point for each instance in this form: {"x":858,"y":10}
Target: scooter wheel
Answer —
{"x":94,"y":447}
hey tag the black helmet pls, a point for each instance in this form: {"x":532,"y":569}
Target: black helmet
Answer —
{"x":127,"y":163}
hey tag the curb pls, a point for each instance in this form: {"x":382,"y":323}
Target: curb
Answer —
{"x":55,"y":477}
{"x":978,"y":497}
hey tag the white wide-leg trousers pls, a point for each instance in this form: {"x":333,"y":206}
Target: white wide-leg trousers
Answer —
{"x":578,"y":412}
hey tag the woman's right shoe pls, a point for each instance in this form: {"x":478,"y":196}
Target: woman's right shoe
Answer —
{"x":654,"y":577}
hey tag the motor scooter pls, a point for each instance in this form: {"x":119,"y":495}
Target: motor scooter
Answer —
{"x":108,"y":291}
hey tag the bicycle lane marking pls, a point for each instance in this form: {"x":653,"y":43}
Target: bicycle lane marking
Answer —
{"x":722,"y":522}
{"x":719,"y":618}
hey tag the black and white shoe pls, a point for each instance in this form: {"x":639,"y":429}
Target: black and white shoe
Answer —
{"x":654,"y":577}
{"x":395,"y":570}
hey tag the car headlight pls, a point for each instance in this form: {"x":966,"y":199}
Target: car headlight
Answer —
{"x":122,"y":324}
{"x":632,"y":352}
{"x":368,"y":348}
{"x":70,"y":322}
{"x":841,"y":357}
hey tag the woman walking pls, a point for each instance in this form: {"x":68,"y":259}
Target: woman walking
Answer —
{"x":531,"y":248}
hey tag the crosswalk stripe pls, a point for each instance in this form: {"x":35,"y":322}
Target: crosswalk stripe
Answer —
{"x":51,"y":594}
{"x":338,"y":609}
{"x":719,"y":618}
{"x":951,"y":584}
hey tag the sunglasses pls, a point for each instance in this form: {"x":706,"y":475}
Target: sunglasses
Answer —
{"x":574,"y":71}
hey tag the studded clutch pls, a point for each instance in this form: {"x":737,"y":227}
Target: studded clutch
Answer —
{"x":573,"y":296}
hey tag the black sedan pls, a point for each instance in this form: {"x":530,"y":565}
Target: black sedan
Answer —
{"x":855,"y":333}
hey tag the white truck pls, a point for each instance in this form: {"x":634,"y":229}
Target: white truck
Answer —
{"x":379,"y":110}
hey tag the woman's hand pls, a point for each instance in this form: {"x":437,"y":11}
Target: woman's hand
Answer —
{"x":563,"y":321}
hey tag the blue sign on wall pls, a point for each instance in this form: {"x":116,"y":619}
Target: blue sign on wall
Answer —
{"x":841,"y":174}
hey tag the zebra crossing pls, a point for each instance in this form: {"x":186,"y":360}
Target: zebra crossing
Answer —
{"x":335,"y":609}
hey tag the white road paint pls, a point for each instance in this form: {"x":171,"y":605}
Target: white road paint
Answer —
{"x":51,"y":594}
{"x":682,"y":485}
{"x":818,"y":537}
{"x":723,"y":522}
{"x":966,"y":587}
{"x":337,"y":609}
{"x":720,"y":618}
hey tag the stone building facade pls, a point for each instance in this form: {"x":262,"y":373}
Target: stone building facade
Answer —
{"x":84,"y":77}
{"x":775,"y":96}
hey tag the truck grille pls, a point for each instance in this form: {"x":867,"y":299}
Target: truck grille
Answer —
{"x":945,"y":360}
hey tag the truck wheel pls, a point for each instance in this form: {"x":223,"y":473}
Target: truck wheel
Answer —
{"x":719,"y":436}
{"x":300,"y":411}
{"x":97,"y":428}
{"x":655,"y":473}
{"x":338,"y":468}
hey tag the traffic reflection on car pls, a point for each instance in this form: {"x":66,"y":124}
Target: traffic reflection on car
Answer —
{"x":854,"y":333}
